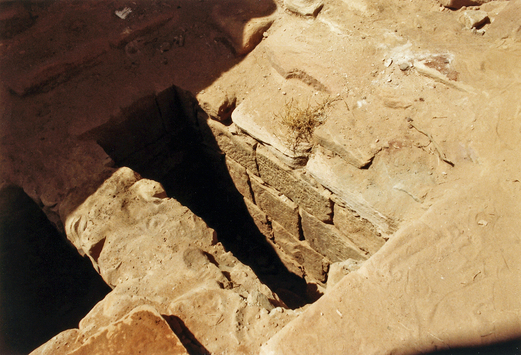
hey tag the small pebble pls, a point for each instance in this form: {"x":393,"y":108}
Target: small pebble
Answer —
{"x":404,"y":66}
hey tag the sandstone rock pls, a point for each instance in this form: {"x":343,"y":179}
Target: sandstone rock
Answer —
{"x":58,"y":70}
{"x":240,"y":178}
{"x":389,"y":176}
{"x":295,"y":51}
{"x":76,"y":224}
{"x":315,"y":265}
{"x":328,"y":241}
{"x":337,"y":271}
{"x":291,"y":67}
{"x":14,"y":18}
{"x":494,"y":8}
{"x":362,"y":7}
{"x":283,"y":179}
{"x":447,"y":290}
{"x":360,"y":231}
{"x":341,"y":136}
{"x":474,"y":19}
{"x":506,"y":24}
{"x":216,"y":103}
{"x":265,"y":125}
{"x":143,"y":330}
{"x":244,"y":22}
{"x":260,"y":218}
{"x":304,"y":7}
{"x":61,"y":344}
{"x":175,"y":273}
{"x":287,"y":260}
{"x":238,"y":148}
{"x":449,"y":279}
{"x":456,"y":4}
{"x":277,"y":206}
{"x":334,"y":178}
{"x":448,"y":78}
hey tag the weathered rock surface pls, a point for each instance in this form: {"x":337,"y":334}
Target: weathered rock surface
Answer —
{"x":506,"y":23}
{"x":283,"y":210}
{"x":360,"y":231}
{"x":182,"y":272}
{"x":474,"y":19}
{"x":266,"y":125}
{"x":420,"y":145}
{"x":244,"y":22}
{"x":337,"y":271}
{"x":328,"y":241}
{"x":278,"y":175}
{"x":143,"y":330}
{"x":453,"y":297}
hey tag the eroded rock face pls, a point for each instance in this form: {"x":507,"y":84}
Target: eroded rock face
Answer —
{"x":142,"y":330}
{"x":155,"y":253}
{"x":419,"y":147}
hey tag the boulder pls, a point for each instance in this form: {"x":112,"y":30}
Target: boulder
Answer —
{"x":474,"y":19}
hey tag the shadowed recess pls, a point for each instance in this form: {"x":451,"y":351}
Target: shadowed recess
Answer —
{"x":45,"y":286}
{"x":173,"y":154}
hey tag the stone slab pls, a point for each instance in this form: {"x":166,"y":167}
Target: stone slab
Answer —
{"x":265,"y":122}
{"x":57,"y":70}
{"x":360,"y":231}
{"x":288,"y":260}
{"x":240,"y":177}
{"x":276,"y":174}
{"x":299,"y":50}
{"x":456,"y":4}
{"x":474,"y":19}
{"x":304,"y":7}
{"x":341,"y":134}
{"x":260,"y":218}
{"x":337,"y":271}
{"x":329,"y":241}
{"x":143,"y":330}
{"x":397,"y":183}
{"x":241,"y":149}
{"x":277,"y":206}
{"x":315,"y":265}
{"x":217,"y":103}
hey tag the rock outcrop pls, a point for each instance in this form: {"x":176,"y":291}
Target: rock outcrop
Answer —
{"x":163,"y":263}
{"x":383,"y":133}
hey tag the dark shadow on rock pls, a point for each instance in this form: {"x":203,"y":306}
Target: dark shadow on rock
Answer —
{"x":191,"y":344}
{"x":510,"y":347}
{"x":195,"y":174}
{"x":45,"y":286}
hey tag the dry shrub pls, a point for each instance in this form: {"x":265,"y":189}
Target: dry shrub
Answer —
{"x":302,"y":120}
